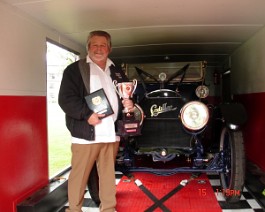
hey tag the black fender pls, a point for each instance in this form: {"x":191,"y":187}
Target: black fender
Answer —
{"x":234,"y":115}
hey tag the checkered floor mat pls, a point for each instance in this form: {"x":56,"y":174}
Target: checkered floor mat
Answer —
{"x":247,"y":203}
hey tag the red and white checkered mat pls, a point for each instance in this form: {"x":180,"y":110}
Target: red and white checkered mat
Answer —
{"x":196,"y":196}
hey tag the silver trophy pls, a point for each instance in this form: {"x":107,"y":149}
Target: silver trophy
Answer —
{"x":125,"y":90}
{"x":128,"y":126}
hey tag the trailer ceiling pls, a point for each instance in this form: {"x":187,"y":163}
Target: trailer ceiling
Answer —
{"x":155,"y":30}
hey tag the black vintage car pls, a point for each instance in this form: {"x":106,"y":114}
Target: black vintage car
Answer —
{"x":180,"y":130}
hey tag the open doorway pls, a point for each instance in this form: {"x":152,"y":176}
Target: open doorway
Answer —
{"x":58,"y":135}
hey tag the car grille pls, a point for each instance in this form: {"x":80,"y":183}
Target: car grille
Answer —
{"x":163,"y":134}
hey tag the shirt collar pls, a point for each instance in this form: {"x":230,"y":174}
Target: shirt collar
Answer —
{"x":108,"y":64}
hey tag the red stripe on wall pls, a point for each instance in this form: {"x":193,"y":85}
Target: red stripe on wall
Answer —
{"x":254,"y":130}
{"x":23,"y":148}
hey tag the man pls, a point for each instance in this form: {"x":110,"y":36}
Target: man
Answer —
{"x":93,"y":135}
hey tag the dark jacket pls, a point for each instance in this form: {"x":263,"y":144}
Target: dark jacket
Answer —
{"x":72,"y":100}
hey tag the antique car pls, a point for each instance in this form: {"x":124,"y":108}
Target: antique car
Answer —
{"x":181,"y":130}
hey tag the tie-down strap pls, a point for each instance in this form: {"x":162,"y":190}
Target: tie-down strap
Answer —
{"x":159,"y":202}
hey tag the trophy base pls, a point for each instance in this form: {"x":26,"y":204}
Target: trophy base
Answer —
{"x":128,"y":128}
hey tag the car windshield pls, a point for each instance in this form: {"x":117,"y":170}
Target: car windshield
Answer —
{"x":194,"y":73}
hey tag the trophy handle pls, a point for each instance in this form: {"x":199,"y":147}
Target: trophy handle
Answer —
{"x":134,"y":85}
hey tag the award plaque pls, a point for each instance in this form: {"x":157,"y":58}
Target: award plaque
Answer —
{"x":99,"y":103}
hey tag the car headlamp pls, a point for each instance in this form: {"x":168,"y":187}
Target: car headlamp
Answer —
{"x":202,"y":91}
{"x":194,"y":115}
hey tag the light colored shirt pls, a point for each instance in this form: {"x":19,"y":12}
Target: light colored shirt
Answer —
{"x":105,"y":131}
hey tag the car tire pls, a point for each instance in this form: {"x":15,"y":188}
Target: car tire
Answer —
{"x":93,"y":185}
{"x":233,"y":177}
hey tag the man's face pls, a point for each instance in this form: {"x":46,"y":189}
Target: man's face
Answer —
{"x":98,"y":49}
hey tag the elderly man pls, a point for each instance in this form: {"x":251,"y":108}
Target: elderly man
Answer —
{"x":93,"y":135}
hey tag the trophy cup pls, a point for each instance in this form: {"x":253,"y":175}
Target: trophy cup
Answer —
{"x":128,"y":126}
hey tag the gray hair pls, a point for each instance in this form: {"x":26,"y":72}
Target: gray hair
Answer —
{"x":99,"y":33}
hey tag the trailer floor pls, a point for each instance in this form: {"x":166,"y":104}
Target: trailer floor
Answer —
{"x":201,"y":194}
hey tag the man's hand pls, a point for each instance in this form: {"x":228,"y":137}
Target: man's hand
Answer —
{"x":128,"y":104}
{"x":95,"y":119}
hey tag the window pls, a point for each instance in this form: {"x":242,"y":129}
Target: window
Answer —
{"x":58,"y":136}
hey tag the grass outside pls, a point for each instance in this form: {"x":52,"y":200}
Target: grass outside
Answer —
{"x":59,"y":141}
